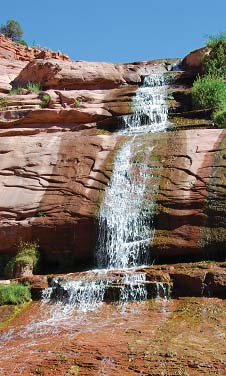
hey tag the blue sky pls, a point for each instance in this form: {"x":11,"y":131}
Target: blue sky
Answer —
{"x":118,"y":30}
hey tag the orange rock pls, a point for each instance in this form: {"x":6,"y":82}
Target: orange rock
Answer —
{"x":16,"y":51}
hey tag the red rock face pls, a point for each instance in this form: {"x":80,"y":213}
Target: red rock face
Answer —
{"x":16,"y":51}
{"x":187,"y":190}
{"x":57,"y":157}
{"x":53,"y":191}
{"x":9,"y":69}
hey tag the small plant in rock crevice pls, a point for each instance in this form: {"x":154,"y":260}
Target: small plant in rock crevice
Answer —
{"x":18,"y":91}
{"x":77,"y":102}
{"x":23,"y":42}
{"x":40,"y":214}
{"x":31,"y":87}
{"x":45,"y":100}
{"x":27,"y":254}
{"x":3,"y":103}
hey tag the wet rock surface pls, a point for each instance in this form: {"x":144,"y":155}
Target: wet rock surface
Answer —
{"x":184,"y":336}
{"x":201,"y":279}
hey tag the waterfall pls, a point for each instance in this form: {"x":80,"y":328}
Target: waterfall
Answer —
{"x":150,"y":108}
{"x":134,"y":288}
{"x":162,"y":290}
{"x":84,"y":293}
{"x":123,"y":223}
{"x":125,"y":220}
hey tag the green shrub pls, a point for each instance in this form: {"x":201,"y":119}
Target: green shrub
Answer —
{"x":39,"y":47}
{"x":17,"y":91}
{"x":23,"y":42}
{"x":33,"y":87}
{"x":45,"y":100}
{"x":27,"y":254}
{"x":209,"y":93}
{"x":14,"y":294}
{"x":214,"y":40}
{"x":12,"y":30}
{"x":40,"y":214}
{"x":215,"y":62}
{"x":219,"y":118}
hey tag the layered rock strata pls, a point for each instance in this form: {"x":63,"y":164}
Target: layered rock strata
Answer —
{"x":57,"y":149}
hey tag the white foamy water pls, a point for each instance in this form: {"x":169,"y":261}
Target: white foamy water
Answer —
{"x":124,"y":229}
{"x":150,"y":108}
{"x":163,"y":290}
{"x":124,"y":221}
{"x":84,"y":294}
{"x":134,"y":288}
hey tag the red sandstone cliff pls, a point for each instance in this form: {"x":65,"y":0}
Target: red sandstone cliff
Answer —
{"x":56,"y":158}
{"x":16,"y":51}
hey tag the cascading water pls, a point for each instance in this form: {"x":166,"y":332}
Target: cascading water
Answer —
{"x":150,"y":108}
{"x":85,"y":294}
{"x":133,"y":288}
{"x":124,"y":231}
{"x":125,"y":221}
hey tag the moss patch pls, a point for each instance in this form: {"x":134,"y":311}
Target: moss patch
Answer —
{"x":9,"y":312}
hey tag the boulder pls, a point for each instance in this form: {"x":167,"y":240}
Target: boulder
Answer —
{"x":84,"y":74}
{"x":193,"y":61}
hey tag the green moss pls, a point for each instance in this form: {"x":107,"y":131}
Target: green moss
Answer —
{"x":101,"y":131}
{"x":185,"y":122}
{"x":73,"y":371}
{"x":9,"y":312}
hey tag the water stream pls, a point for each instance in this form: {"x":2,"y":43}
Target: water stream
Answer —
{"x":125,"y":221}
